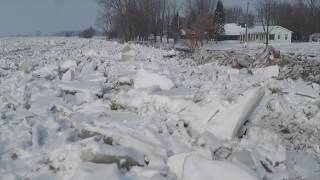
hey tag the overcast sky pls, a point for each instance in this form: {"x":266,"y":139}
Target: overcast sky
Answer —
{"x":49,"y":16}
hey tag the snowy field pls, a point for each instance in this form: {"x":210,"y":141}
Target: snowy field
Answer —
{"x":310,"y":48}
{"x":75,"y":109}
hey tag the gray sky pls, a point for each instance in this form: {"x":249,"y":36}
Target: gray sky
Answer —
{"x":49,"y":16}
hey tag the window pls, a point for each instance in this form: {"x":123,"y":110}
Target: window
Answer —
{"x":257,"y":36}
{"x":279,"y":36}
{"x":271,"y":37}
{"x":286,"y":37}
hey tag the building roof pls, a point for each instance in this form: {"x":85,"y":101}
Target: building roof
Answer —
{"x":260,"y":29}
{"x":232,"y":29}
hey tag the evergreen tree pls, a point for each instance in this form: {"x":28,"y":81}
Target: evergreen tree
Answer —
{"x":175,"y":27}
{"x":219,"y":21}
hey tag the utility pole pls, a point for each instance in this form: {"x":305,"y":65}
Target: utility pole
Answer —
{"x":247,"y":22}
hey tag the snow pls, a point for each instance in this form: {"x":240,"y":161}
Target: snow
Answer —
{"x":196,"y":167}
{"x":146,"y":79}
{"x":66,"y":65}
{"x":302,"y":88}
{"x":176,"y":163}
{"x":97,"y":172}
{"x":128,"y":54}
{"x":267,"y":72}
{"x":74,"y":109}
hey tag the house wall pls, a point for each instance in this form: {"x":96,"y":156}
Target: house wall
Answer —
{"x":278,"y":33}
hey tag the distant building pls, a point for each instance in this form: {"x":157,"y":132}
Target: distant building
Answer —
{"x":232,"y":32}
{"x":315,"y":37}
{"x":277,"y":34}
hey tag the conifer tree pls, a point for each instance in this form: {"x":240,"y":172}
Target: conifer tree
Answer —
{"x":175,"y":27}
{"x":219,"y":21}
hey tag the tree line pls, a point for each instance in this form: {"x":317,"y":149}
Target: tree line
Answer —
{"x":300,"y":16}
{"x":200,"y":20}
{"x":151,"y":19}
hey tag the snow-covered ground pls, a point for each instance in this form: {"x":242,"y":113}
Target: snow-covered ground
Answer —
{"x":75,"y":109}
{"x":309,"y":48}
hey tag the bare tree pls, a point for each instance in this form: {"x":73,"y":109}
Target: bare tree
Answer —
{"x":197,"y":8}
{"x":233,"y":15}
{"x":300,"y":16}
{"x":201,"y":28}
{"x":136,"y":19}
{"x":174,"y":29}
{"x":170,"y":13}
{"x":265,"y":9}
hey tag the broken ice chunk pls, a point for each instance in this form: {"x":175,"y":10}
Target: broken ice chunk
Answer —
{"x":100,"y":153}
{"x":146,"y":79}
{"x":227,"y":123}
{"x":97,"y":172}
{"x":303,"y":89}
{"x":267,"y":72}
{"x":197,"y":167}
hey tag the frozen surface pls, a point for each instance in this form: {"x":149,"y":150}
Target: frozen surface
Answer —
{"x":147,"y":79}
{"x":73,"y":109}
{"x":226,"y":124}
{"x":196,"y":167}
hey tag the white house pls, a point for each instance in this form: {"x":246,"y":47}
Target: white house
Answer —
{"x":277,"y":34}
{"x":232,"y":31}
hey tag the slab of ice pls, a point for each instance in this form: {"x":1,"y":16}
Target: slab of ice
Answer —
{"x":89,"y":68}
{"x":42,"y":103}
{"x":196,"y":167}
{"x":176,"y":162}
{"x":47,"y":72}
{"x":97,"y":172}
{"x":227,"y":123}
{"x":265,"y":144}
{"x":67,"y":65}
{"x":302,"y":88}
{"x":85,"y":87}
{"x":128,"y":54}
{"x":91,"y":53}
{"x":267,"y":72}
{"x":183,"y":93}
{"x":69,"y":75}
{"x":146,"y":79}
{"x":107,"y":154}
